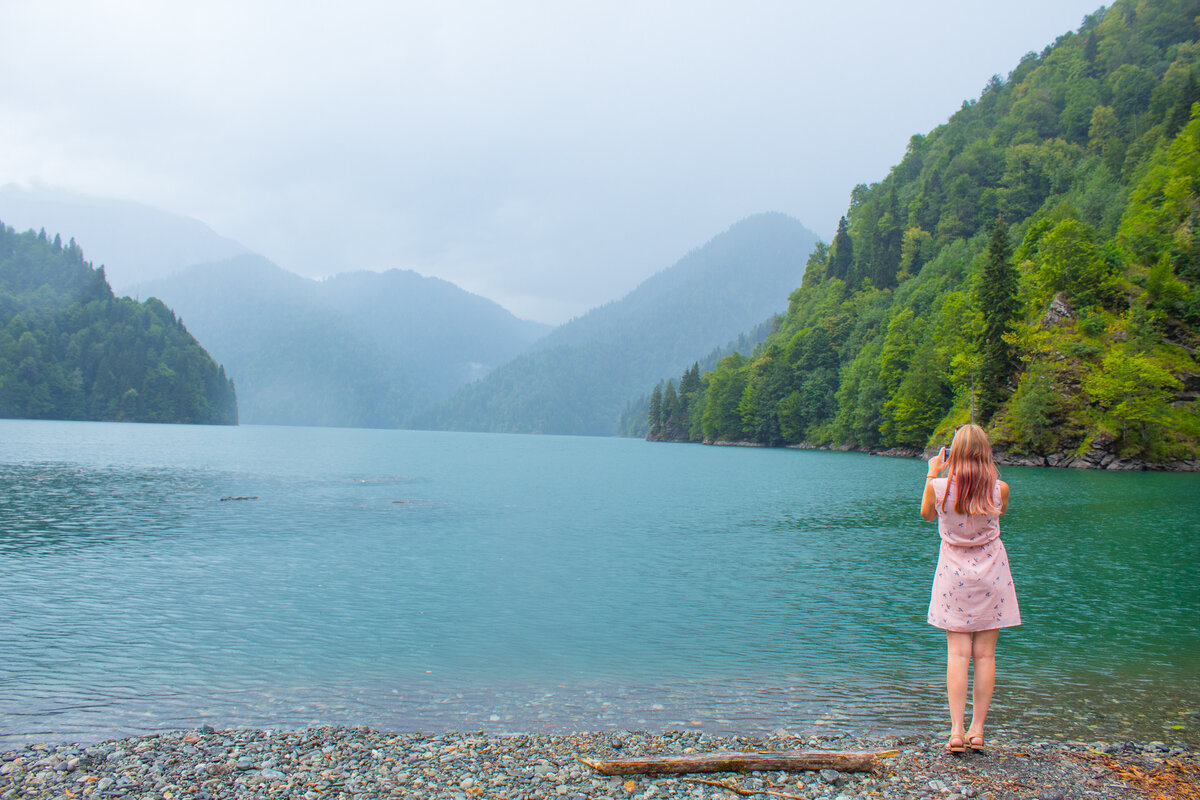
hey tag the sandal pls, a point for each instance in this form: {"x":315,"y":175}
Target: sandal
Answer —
{"x":973,"y":739}
{"x":951,"y":747}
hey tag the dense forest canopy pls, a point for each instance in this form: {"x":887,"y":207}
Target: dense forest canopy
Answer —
{"x":69,"y":349}
{"x":1033,"y":264}
{"x":635,"y":420}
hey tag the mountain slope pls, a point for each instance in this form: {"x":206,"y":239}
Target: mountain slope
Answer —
{"x":1033,"y":264}
{"x":579,"y":379}
{"x":70,"y":350}
{"x":133,"y":242}
{"x":357,"y":350}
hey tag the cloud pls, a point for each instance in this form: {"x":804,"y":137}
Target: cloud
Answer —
{"x":551,"y":153}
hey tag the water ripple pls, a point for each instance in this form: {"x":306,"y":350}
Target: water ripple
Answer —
{"x":425,"y":581}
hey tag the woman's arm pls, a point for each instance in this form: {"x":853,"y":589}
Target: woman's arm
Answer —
{"x":929,"y":498}
{"x":929,"y":502}
{"x":1003,"y":497}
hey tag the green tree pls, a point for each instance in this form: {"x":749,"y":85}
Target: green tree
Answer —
{"x":722,"y":420}
{"x":997,"y":302}
{"x":1181,"y":112}
{"x":919,"y":402}
{"x":1070,"y":261}
{"x":655,"y":417}
{"x":1035,"y":412}
{"x":670,"y":411}
{"x":1104,"y":138}
{"x":1131,"y":86}
{"x":1133,"y":390}
{"x":915,"y":249}
{"x":841,"y":258}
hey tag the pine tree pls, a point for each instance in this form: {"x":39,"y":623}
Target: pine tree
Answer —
{"x":690,"y":381}
{"x":998,"y":304}
{"x":1091,"y":47}
{"x":655,"y":417}
{"x":670,"y":410}
{"x":1182,"y":111}
{"x":842,"y":258}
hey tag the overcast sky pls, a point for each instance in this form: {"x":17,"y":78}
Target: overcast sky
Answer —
{"x":548,"y":155}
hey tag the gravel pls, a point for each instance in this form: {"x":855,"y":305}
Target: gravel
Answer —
{"x":207,"y":764}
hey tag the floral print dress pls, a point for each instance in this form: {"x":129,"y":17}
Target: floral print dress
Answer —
{"x":972,"y":586}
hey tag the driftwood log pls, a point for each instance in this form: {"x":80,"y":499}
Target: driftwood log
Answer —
{"x":786,"y":760}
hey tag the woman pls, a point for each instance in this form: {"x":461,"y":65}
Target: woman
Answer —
{"x":973,"y":593}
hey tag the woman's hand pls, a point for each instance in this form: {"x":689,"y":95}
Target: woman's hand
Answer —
{"x":937,"y":463}
{"x":928,"y":497}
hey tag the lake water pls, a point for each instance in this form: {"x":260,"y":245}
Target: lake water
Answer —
{"x":433,"y":581}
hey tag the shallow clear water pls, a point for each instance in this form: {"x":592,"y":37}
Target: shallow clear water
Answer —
{"x":413,"y":580}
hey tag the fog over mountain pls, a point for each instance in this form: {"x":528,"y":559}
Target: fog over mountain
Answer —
{"x":134,"y":242}
{"x":364,"y":349}
{"x":581,"y":377}
{"x":549,"y":156}
{"x":361,"y":349}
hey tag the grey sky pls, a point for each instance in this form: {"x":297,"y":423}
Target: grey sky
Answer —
{"x":548,"y":155}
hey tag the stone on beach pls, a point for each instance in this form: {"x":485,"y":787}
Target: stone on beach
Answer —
{"x":361,"y":762}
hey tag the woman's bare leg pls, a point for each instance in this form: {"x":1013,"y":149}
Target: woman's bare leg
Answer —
{"x":958,"y":659}
{"x":983,"y":653}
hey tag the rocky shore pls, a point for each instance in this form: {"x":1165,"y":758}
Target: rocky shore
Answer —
{"x":1098,"y":456}
{"x":206,"y":764}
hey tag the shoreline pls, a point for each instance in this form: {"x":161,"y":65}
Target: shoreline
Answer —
{"x":312,"y":763}
{"x":1095,"y":458}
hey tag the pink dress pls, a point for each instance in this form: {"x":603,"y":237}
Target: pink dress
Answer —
{"x":973,"y":586}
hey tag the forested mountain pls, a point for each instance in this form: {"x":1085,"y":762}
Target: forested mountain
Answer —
{"x":359,"y":349}
{"x":134,"y":242}
{"x":580,"y":378}
{"x":1034,"y":264}
{"x":70,"y":350}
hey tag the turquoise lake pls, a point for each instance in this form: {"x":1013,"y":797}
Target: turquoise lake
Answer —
{"x":434,"y":581}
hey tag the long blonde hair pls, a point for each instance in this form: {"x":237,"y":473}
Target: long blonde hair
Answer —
{"x":972,"y":471}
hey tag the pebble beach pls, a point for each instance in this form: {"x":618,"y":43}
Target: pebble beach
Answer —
{"x":360,"y":762}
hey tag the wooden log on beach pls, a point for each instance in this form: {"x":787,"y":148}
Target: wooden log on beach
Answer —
{"x":786,"y":760}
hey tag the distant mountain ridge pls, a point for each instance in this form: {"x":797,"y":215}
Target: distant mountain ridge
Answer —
{"x":132,"y":241}
{"x":360,"y":349}
{"x":390,"y":349}
{"x":582,"y":376}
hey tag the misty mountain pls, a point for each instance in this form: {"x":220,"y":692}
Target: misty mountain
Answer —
{"x":133,"y":242}
{"x":361,"y":349}
{"x":581,"y":377}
